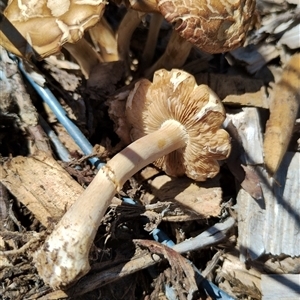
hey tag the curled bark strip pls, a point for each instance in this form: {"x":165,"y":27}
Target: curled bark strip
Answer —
{"x":283,"y":112}
{"x":183,"y":280}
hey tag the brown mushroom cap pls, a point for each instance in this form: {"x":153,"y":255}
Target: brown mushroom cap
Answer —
{"x":175,"y":95}
{"x":47,"y":25}
{"x":214,"y":26}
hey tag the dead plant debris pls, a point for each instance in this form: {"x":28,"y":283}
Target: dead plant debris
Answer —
{"x":240,"y":229}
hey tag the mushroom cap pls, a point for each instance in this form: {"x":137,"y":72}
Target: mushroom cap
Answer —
{"x":214,"y":26}
{"x":175,"y":95}
{"x":48,"y":24}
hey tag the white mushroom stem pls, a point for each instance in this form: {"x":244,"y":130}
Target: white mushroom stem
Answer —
{"x":84,"y":54}
{"x":175,"y":55}
{"x":65,"y":255}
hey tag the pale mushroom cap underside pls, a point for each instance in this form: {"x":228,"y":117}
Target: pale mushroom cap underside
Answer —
{"x":174,"y":95}
{"x":212,"y":25}
{"x":48,"y":24}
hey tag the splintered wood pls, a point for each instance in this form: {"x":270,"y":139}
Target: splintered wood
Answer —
{"x":269,"y":224}
{"x":237,"y":280}
{"x":41,"y":184}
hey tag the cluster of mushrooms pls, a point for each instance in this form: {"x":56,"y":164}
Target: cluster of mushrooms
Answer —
{"x":174,"y":123}
{"x":48,"y":25}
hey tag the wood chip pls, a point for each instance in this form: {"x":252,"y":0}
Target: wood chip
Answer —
{"x":273,"y":225}
{"x":241,"y":279}
{"x":257,"y":99}
{"x":225,"y":85}
{"x":247,"y":123}
{"x":201,"y":198}
{"x":41,"y":184}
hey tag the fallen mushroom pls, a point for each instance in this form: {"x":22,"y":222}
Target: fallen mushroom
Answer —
{"x":49,"y":25}
{"x":177,"y":125}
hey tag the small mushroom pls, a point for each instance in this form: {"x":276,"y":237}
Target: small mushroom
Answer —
{"x":175,"y":123}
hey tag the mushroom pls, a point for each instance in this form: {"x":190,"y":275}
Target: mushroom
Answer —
{"x":212,"y":26}
{"x":133,"y":17}
{"x":177,"y":125}
{"x":48,"y":25}
{"x":85,"y":55}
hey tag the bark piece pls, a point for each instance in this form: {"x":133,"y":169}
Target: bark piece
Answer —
{"x":204,"y":200}
{"x":257,"y":99}
{"x":273,"y":225}
{"x":239,"y":278}
{"x":41,"y":184}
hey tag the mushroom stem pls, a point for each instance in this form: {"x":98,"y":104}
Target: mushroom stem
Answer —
{"x":170,"y":137}
{"x":104,"y":38}
{"x":149,"y":50}
{"x":175,"y":55}
{"x":129,"y":23}
{"x":64,"y":256}
{"x":84,"y":54}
